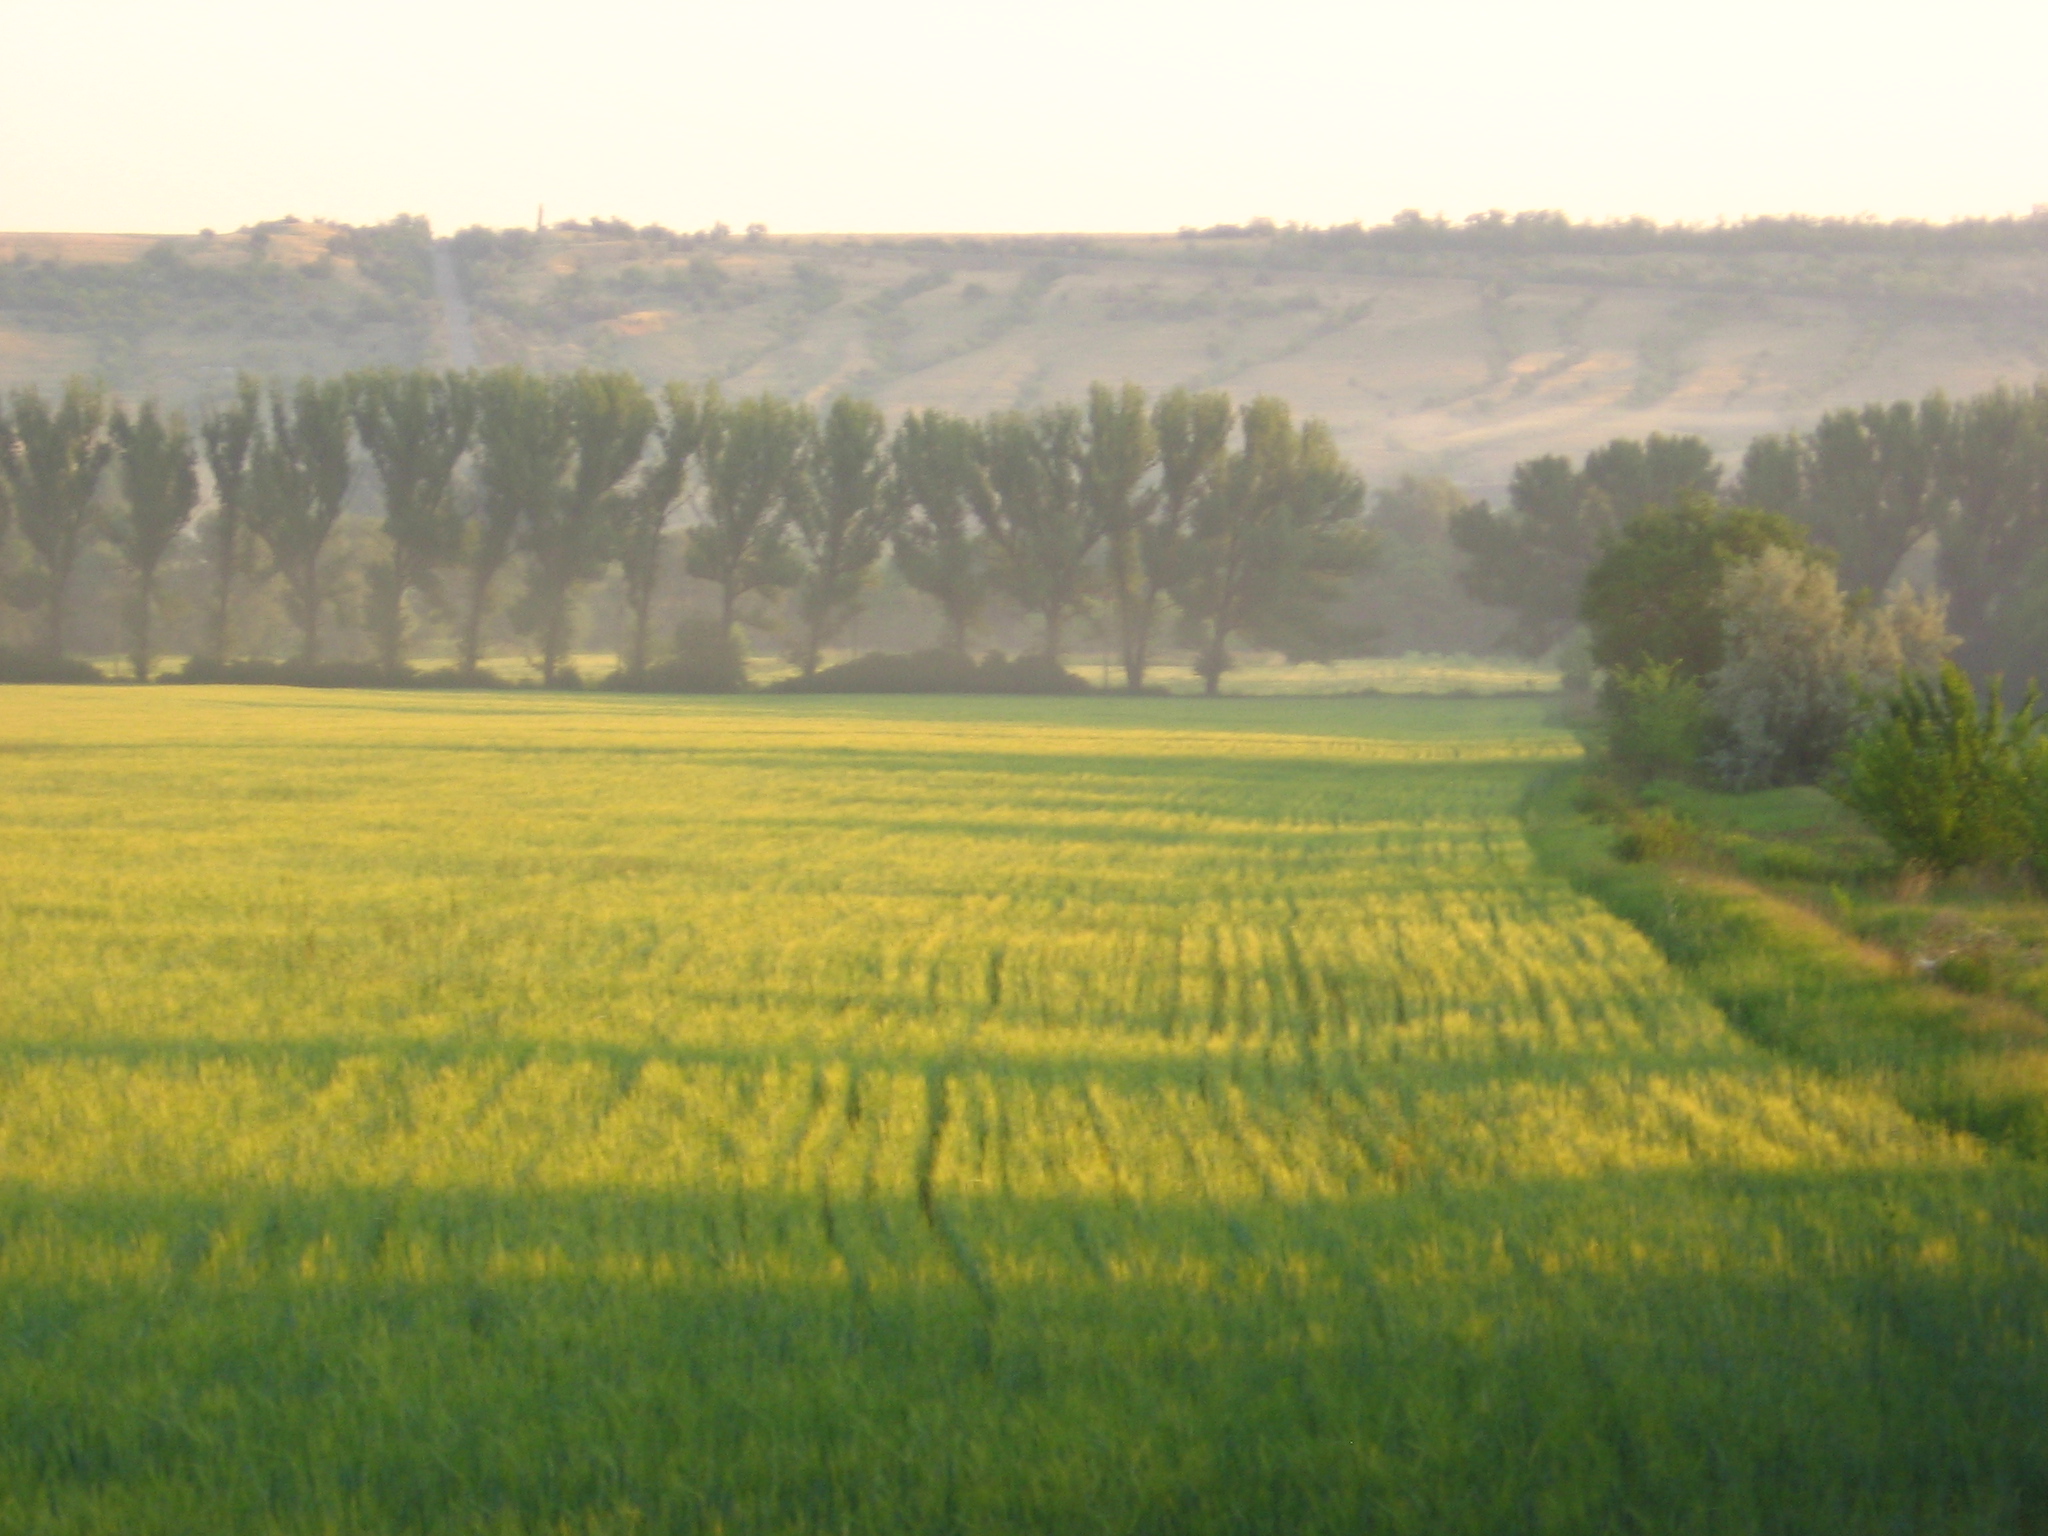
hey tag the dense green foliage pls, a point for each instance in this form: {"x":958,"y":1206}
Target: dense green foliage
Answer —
{"x":604,"y":1114}
{"x":1945,"y":776}
{"x":1533,"y":559}
{"x":1654,"y":595}
{"x":1656,"y":717}
{"x":1247,"y":522}
{"x":1871,"y":483}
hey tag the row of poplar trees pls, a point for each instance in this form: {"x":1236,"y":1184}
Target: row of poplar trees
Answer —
{"x":1868,"y":484}
{"x":1238,"y":519}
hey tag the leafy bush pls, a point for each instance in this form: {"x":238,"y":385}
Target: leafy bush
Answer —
{"x":1944,"y":778}
{"x":35,"y":667}
{"x":1653,"y":835}
{"x":1799,"y":667}
{"x":1656,"y":720}
{"x":708,"y":659}
{"x":939,"y":672}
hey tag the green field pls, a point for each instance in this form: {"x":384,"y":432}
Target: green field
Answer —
{"x":530,"y":1113}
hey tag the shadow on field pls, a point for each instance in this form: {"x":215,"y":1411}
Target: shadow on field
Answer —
{"x":1623,"y":1354}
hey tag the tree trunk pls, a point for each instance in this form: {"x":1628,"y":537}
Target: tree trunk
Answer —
{"x":1053,"y":618}
{"x":473,"y":622}
{"x":636,"y":645}
{"x":1213,"y":662}
{"x":223,"y":599}
{"x":145,"y":600}
{"x":53,"y":619}
{"x":1136,"y":636}
{"x":309,"y":600}
{"x":391,"y":617}
{"x":553,"y":637}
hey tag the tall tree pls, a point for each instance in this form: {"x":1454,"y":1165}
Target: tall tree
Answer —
{"x":644,"y":518}
{"x":524,"y":448}
{"x":1872,"y":484}
{"x":1997,"y":473}
{"x":1119,"y":451}
{"x":1630,"y":477}
{"x":298,"y":480}
{"x":1654,"y":598}
{"x":1533,"y":559}
{"x":415,"y":425}
{"x":751,"y":457}
{"x":936,"y":481}
{"x":1193,"y":433}
{"x":1036,"y":515}
{"x":53,"y":467}
{"x":1773,"y":474}
{"x":160,"y":482}
{"x":571,"y":535}
{"x":229,"y":433}
{"x":1269,"y":543}
{"x":841,"y":523}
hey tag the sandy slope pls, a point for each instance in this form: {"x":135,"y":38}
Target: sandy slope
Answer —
{"x":1457,"y":365}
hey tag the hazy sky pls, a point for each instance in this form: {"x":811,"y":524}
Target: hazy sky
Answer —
{"x":915,"y":115}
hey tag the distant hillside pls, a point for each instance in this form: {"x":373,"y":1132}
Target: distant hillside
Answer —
{"x":1437,"y":348}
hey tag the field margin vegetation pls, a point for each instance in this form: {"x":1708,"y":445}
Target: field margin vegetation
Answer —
{"x":1785,"y":970}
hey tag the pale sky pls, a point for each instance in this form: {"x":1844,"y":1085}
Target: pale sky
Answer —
{"x":171,"y":115}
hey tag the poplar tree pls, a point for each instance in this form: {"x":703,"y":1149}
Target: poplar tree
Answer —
{"x":751,"y":454}
{"x":229,"y":433}
{"x":1036,"y":515}
{"x":607,"y":418}
{"x":160,"y":482}
{"x":645,"y":515}
{"x":1270,"y":540}
{"x":841,"y":523}
{"x":416,"y":426}
{"x":52,"y":466}
{"x":1193,"y":432}
{"x":1532,"y":559}
{"x":298,"y":479}
{"x":1120,"y":450}
{"x":936,"y":481}
{"x":1997,"y":528}
{"x":524,"y":448}
{"x":1869,"y":484}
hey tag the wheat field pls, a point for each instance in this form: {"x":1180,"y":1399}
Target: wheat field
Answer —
{"x":527,"y":1113}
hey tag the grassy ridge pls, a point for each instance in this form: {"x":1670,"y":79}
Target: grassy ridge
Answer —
{"x":533,"y":1113}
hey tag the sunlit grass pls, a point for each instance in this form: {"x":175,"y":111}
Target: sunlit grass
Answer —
{"x":522,"y":1112}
